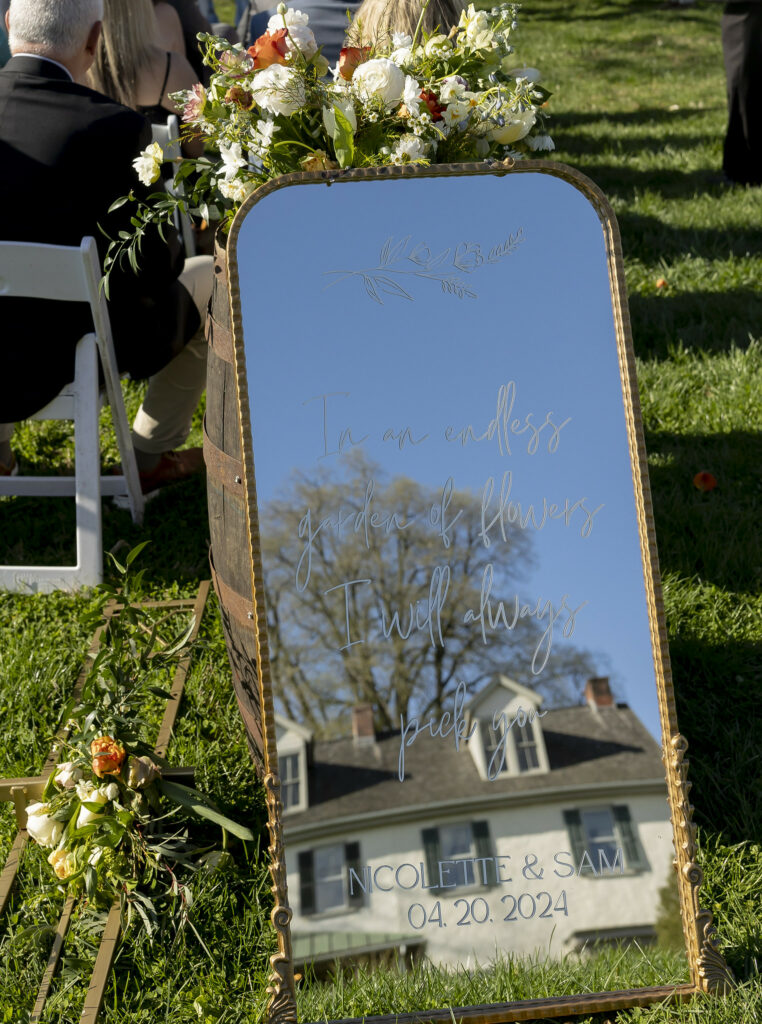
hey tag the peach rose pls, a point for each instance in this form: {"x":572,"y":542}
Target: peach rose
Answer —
{"x":270,"y":48}
{"x":351,"y":57}
{"x":107,"y":755}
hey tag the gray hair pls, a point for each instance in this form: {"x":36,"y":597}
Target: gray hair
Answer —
{"x":59,"y":26}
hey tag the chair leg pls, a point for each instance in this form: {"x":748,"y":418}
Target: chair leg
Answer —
{"x":87,"y":467}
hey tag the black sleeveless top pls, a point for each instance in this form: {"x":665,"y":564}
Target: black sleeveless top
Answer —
{"x":157,"y":114}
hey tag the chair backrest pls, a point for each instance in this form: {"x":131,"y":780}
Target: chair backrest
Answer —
{"x":168,"y":137}
{"x":66,"y":273}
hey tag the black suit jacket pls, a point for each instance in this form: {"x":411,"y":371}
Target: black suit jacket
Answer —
{"x":66,"y":154}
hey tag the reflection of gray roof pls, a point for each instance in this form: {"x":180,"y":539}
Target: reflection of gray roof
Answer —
{"x":585,"y":747}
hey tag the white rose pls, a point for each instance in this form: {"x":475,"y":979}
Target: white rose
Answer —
{"x":401,"y":55}
{"x":291,"y":19}
{"x":347,"y":107}
{"x":278,"y":89}
{"x":516,"y":127}
{"x":302,"y":37}
{"x":379,"y":78}
{"x":41,"y":827}
{"x":67,"y":776}
{"x":97,"y":796}
{"x":409,"y":147}
{"x":148,"y":164}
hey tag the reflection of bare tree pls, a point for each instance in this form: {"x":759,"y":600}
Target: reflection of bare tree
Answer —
{"x":398,"y":639}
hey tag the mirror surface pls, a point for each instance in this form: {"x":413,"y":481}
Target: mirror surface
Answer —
{"x":466,"y":706}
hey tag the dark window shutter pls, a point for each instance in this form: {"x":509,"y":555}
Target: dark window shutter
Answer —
{"x":483,"y":845}
{"x":352,"y":860}
{"x":431,"y":852}
{"x":634,"y":857}
{"x":573,"y":820}
{"x":306,"y":882}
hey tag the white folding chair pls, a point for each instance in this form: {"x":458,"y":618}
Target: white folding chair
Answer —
{"x":72,"y":273}
{"x":168,"y":137}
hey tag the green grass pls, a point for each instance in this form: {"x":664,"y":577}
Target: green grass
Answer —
{"x":639,"y":106}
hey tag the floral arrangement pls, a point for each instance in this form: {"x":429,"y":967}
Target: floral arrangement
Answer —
{"x":278,"y":107}
{"x":102,"y":815}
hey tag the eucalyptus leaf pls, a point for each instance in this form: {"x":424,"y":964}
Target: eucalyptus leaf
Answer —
{"x":199,"y":804}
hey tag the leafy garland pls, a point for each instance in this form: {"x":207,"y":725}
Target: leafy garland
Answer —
{"x":275,"y":108}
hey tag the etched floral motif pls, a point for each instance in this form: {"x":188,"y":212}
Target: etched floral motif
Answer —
{"x":445,"y":267}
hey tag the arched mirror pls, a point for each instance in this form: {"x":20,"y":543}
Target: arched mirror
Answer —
{"x":466,"y":691}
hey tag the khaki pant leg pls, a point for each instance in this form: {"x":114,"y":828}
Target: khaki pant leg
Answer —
{"x":163,"y":421}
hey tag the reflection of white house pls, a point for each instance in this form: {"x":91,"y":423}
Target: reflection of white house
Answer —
{"x":535,"y":831}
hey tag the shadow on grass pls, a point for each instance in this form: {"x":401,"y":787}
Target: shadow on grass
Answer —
{"x":718,"y":711}
{"x":713,"y":535}
{"x":703,"y":321}
{"x":606,"y":10}
{"x":40,"y":531}
{"x":644,"y":115}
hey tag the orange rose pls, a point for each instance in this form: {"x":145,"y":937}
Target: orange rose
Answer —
{"x":350,"y":58}
{"x":270,"y":48}
{"x":107,"y":755}
{"x":704,"y":481}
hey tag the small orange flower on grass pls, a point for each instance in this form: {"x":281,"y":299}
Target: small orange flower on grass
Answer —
{"x":704,"y":481}
{"x":661,"y":282}
{"x":108,"y":756}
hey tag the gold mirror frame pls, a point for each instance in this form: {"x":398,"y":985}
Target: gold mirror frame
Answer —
{"x":709,"y":972}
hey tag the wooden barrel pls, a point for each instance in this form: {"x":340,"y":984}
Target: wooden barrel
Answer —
{"x":227,"y":512}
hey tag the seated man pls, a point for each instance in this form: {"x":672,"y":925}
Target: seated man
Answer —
{"x":66,"y":154}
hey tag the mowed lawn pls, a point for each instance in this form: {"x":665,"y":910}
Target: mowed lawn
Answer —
{"x":638,"y":105}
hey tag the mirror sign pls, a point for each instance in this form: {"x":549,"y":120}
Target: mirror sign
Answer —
{"x":457,"y":576}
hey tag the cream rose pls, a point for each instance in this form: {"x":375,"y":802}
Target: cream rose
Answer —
{"x":379,"y":78}
{"x":67,"y":776}
{"x":87,"y":793}
{"x":41,"y":827}
{"x":62,"y":863}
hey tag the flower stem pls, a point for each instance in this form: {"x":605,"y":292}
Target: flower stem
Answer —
{"x":419,"y":25}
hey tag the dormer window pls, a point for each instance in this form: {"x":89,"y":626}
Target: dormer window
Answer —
{"x":492,"y":740}
{"x":290,"y":781}
{"x":509,"y":740}
{"x":526,"y":747}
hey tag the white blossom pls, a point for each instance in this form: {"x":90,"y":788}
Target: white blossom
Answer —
{"x":233,"y":188}
{"x":278,"y":89}
{"x":232,"y":158}
{"x":516,"y":126}
{"x":411,"y":94}
{"x":148,"y":164}
{"x":409,"y":147}
{"x":291,"y":19}
{"x":541,"y":142}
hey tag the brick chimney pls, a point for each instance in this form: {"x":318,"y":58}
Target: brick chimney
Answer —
{"x":598,"y":692}
{"x":363,"y":732}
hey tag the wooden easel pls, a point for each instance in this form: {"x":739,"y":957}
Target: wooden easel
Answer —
{"x":23,"y":790}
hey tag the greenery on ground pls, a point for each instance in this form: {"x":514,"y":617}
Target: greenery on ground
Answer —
{"x":639,"y":106}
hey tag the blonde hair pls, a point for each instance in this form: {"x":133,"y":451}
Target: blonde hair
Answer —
{"x":127,"y":43}
{"x":375,"y":20}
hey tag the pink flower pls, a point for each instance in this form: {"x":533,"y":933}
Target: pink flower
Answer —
{"x":195,"y":104}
